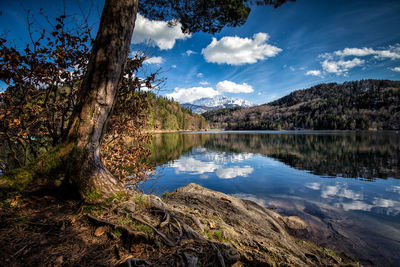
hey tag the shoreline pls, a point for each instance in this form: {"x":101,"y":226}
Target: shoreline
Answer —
{"x":260,"y":235}
{"x":270,"y":131}
{"x":191,"y":226}
{"x":173,"y":131}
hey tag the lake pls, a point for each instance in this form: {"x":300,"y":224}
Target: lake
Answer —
{"x":346,"y":185}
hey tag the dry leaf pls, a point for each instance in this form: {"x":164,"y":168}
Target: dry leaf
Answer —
{"x":100,"y":231}
{"x":212,"y":225}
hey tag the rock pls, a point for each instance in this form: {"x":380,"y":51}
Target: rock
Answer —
{"x":295,"y":223}
{"x":130,"y":207}
{"x":258,"y":235}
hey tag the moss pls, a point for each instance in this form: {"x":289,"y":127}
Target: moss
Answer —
{"x":18,"y":179}
{"x":92,"y":195}
{"x":141,"y":200}
{"x":139,"y":227}
{"x":207,"y":232}
{"x":124,"y":221}
{"x":274,"y":257}
{"x":118,"y":196}
{"x":340,"y":259}
{"x":117,"y":233}
{"x":6,"y":204}
{"x":218,"y":235}
{"x":165,"y":195}
{"x":92,"y":209}
{"x":46,"y":167}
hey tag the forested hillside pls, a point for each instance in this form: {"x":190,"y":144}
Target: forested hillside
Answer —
{"x":365,"y":104}
{"x":165,"y":114}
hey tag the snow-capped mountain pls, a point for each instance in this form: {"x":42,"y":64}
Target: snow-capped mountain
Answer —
{"x":211,"y":103}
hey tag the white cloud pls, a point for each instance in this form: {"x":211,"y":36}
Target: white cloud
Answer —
{"x":190,"y":52}
{"x":229,"y":173}
{"x":188,"y":95}
{"x":314,"y":72}
{"x":158,"y":33}
{"x":154,"y":60}
{"x":204,"y":83}
{"x":359,"y":52}
{"x":231,"y":87}
{"x":341,"y":66}
{"x":200,"y":75}
{"x":234,"y":50}
{"x":337,"y":63}
{"x":173,"y":66}
{"x":393,"y":52}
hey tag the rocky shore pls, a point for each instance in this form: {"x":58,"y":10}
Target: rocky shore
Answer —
{"x":191,"y":226}
{"x":260,"y":236}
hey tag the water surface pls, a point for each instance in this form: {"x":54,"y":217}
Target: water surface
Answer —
{"x":344,"y":184}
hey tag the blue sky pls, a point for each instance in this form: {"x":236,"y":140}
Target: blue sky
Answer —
{"x":277,"y":51}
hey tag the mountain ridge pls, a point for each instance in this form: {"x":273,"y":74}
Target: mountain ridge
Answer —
{"x":354,"y":105}
{"x":217,"y":102}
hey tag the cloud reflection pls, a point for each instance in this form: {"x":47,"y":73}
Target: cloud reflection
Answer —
{"x":252,"y":197}
{"x":229,"y":173}
{"x":214,"y":162}
{"x":394,"y":188}
{"x":225,"y":158}
{"x":194,"y":166}
{"x":347,"y":199}
{"x":313,"y":186}
{"x":340,"y":190}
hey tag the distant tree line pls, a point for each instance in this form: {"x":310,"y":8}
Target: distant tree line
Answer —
{"x":167,"y":114}
{"x":357,"y":105}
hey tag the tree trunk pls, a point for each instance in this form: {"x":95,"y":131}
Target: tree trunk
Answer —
{"x":97,"y":97}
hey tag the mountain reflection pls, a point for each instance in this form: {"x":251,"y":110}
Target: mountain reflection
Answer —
{"x":366,"y":155}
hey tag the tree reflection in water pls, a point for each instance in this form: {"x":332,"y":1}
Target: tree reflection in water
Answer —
{"x":365,"y":155}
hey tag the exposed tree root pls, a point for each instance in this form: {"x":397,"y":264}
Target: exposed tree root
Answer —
{"x":132,"y":235}
{"x":45,"y":231}
{"x":171,"y":233}
{"x":166,"y":240}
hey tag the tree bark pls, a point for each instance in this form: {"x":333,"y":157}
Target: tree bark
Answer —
{"x":97,"y":97}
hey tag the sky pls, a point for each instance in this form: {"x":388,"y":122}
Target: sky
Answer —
{"x":277,"y":51}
